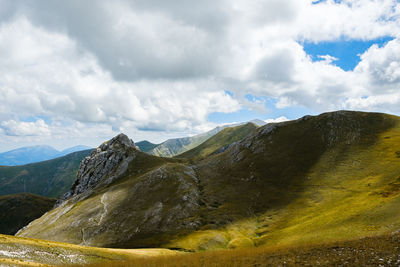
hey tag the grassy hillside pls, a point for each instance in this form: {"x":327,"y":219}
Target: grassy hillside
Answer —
{"x":146,"y":146}
{"x":50,"y":178}
{"x":16,"y":251}
{"x":321,"y":179}
{"x":220,"y":141}
{"x":371,"y":251}
{"x":17,"y":210}
{"x":173,"y":147}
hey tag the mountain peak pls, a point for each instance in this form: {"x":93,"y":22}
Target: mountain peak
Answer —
{"x":106,"y":163}
{"x":118,"y":141}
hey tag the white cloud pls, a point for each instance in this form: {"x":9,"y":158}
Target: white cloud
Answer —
{"x":328,"y":58}
{"x":279,"y":119}
{"x":155,"y":65}
{"x":17,"y":128}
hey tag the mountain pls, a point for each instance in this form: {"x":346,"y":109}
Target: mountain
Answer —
{"x":146,"y":146}
{"x":50,"y":178}
{"x":27,"y":155}
{"x":174,"y":147}
{"x":72,"y":150}
{"x":319,"y":179}
{"x":258,"y":122}
{"x":219,"y":142}
{"x":32,"y":154}
{"x":18,"y":210}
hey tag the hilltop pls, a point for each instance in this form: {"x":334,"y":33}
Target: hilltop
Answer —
{"x":318,"y":179}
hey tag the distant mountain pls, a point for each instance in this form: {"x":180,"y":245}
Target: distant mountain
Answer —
{"x":146,"y":146}
{"x":51,"y":178}
{"x":32,"y":154}
{"x":72,"y":150}
{"x":220,"y":142}
{"x":258,"y":122}
{"x":176,"y":146}
{"x":17,"y":210}
{"x":318,"y":179}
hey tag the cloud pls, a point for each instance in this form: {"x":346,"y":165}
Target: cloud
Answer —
{"x":17,"y":128}
{"x":328,"y":58}
{"x":164,"y":66}
{"x":279,"y":119}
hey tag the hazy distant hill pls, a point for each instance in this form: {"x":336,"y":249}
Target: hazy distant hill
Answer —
{"x":31,"y":154}
{"x":18,"y":210}
{"x":318,"y":179}
{"x":50,"y":178}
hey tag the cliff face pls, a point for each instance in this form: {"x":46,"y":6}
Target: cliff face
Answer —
{"x":106,"y":163}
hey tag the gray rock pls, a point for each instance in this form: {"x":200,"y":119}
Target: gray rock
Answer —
{"x":106,"y":163}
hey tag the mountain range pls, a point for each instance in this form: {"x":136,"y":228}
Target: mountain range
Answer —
{"x":326,"y":178}
{"x":32,"y":154}
{"x":176,"y":146}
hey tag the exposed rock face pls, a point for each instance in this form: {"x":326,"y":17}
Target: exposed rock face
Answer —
{"x":104,"y":165}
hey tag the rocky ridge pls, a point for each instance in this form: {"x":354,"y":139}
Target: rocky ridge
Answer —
{"x":104,"y":165}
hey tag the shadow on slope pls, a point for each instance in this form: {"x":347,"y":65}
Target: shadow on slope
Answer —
{"x":249,"y":195}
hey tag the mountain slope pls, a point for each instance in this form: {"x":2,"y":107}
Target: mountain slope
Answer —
{"x":50,"y":178}
{"x":33,"y":154}
{"x":318,"y":179}
{"x":18,"y":210}
{"x":219,"y":142}
{"x":27,"y":155}
{"x":146,"y":146}
{"x":173,"y":147}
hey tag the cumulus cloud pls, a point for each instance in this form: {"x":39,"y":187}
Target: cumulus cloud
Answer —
{"x":279,"y":119}
{"x":164,"y":66}
{"x":17,"y":128}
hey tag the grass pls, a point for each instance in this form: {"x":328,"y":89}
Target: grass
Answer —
{"x":33,"y":252}
{"x":370,"y":251}
{"x":330,"y":178}
{"x":51,"y":178}
{"x":222,"y":139}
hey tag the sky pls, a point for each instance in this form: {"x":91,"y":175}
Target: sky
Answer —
{"x":79,"y":72}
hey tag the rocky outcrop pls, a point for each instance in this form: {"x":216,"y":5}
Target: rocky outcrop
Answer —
{"x":106,"y":163}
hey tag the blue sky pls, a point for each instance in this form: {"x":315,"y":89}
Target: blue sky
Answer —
{"x":347,"y":52}
{"x":166,"y":69}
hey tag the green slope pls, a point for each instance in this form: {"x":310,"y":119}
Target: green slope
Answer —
{"x":173,"y":147}
{"x":17,"y":210}
{"x":50,"y":178}
{"x":146,"y":146}
{"x":318,"y":179}
{"x":220,"y":141}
